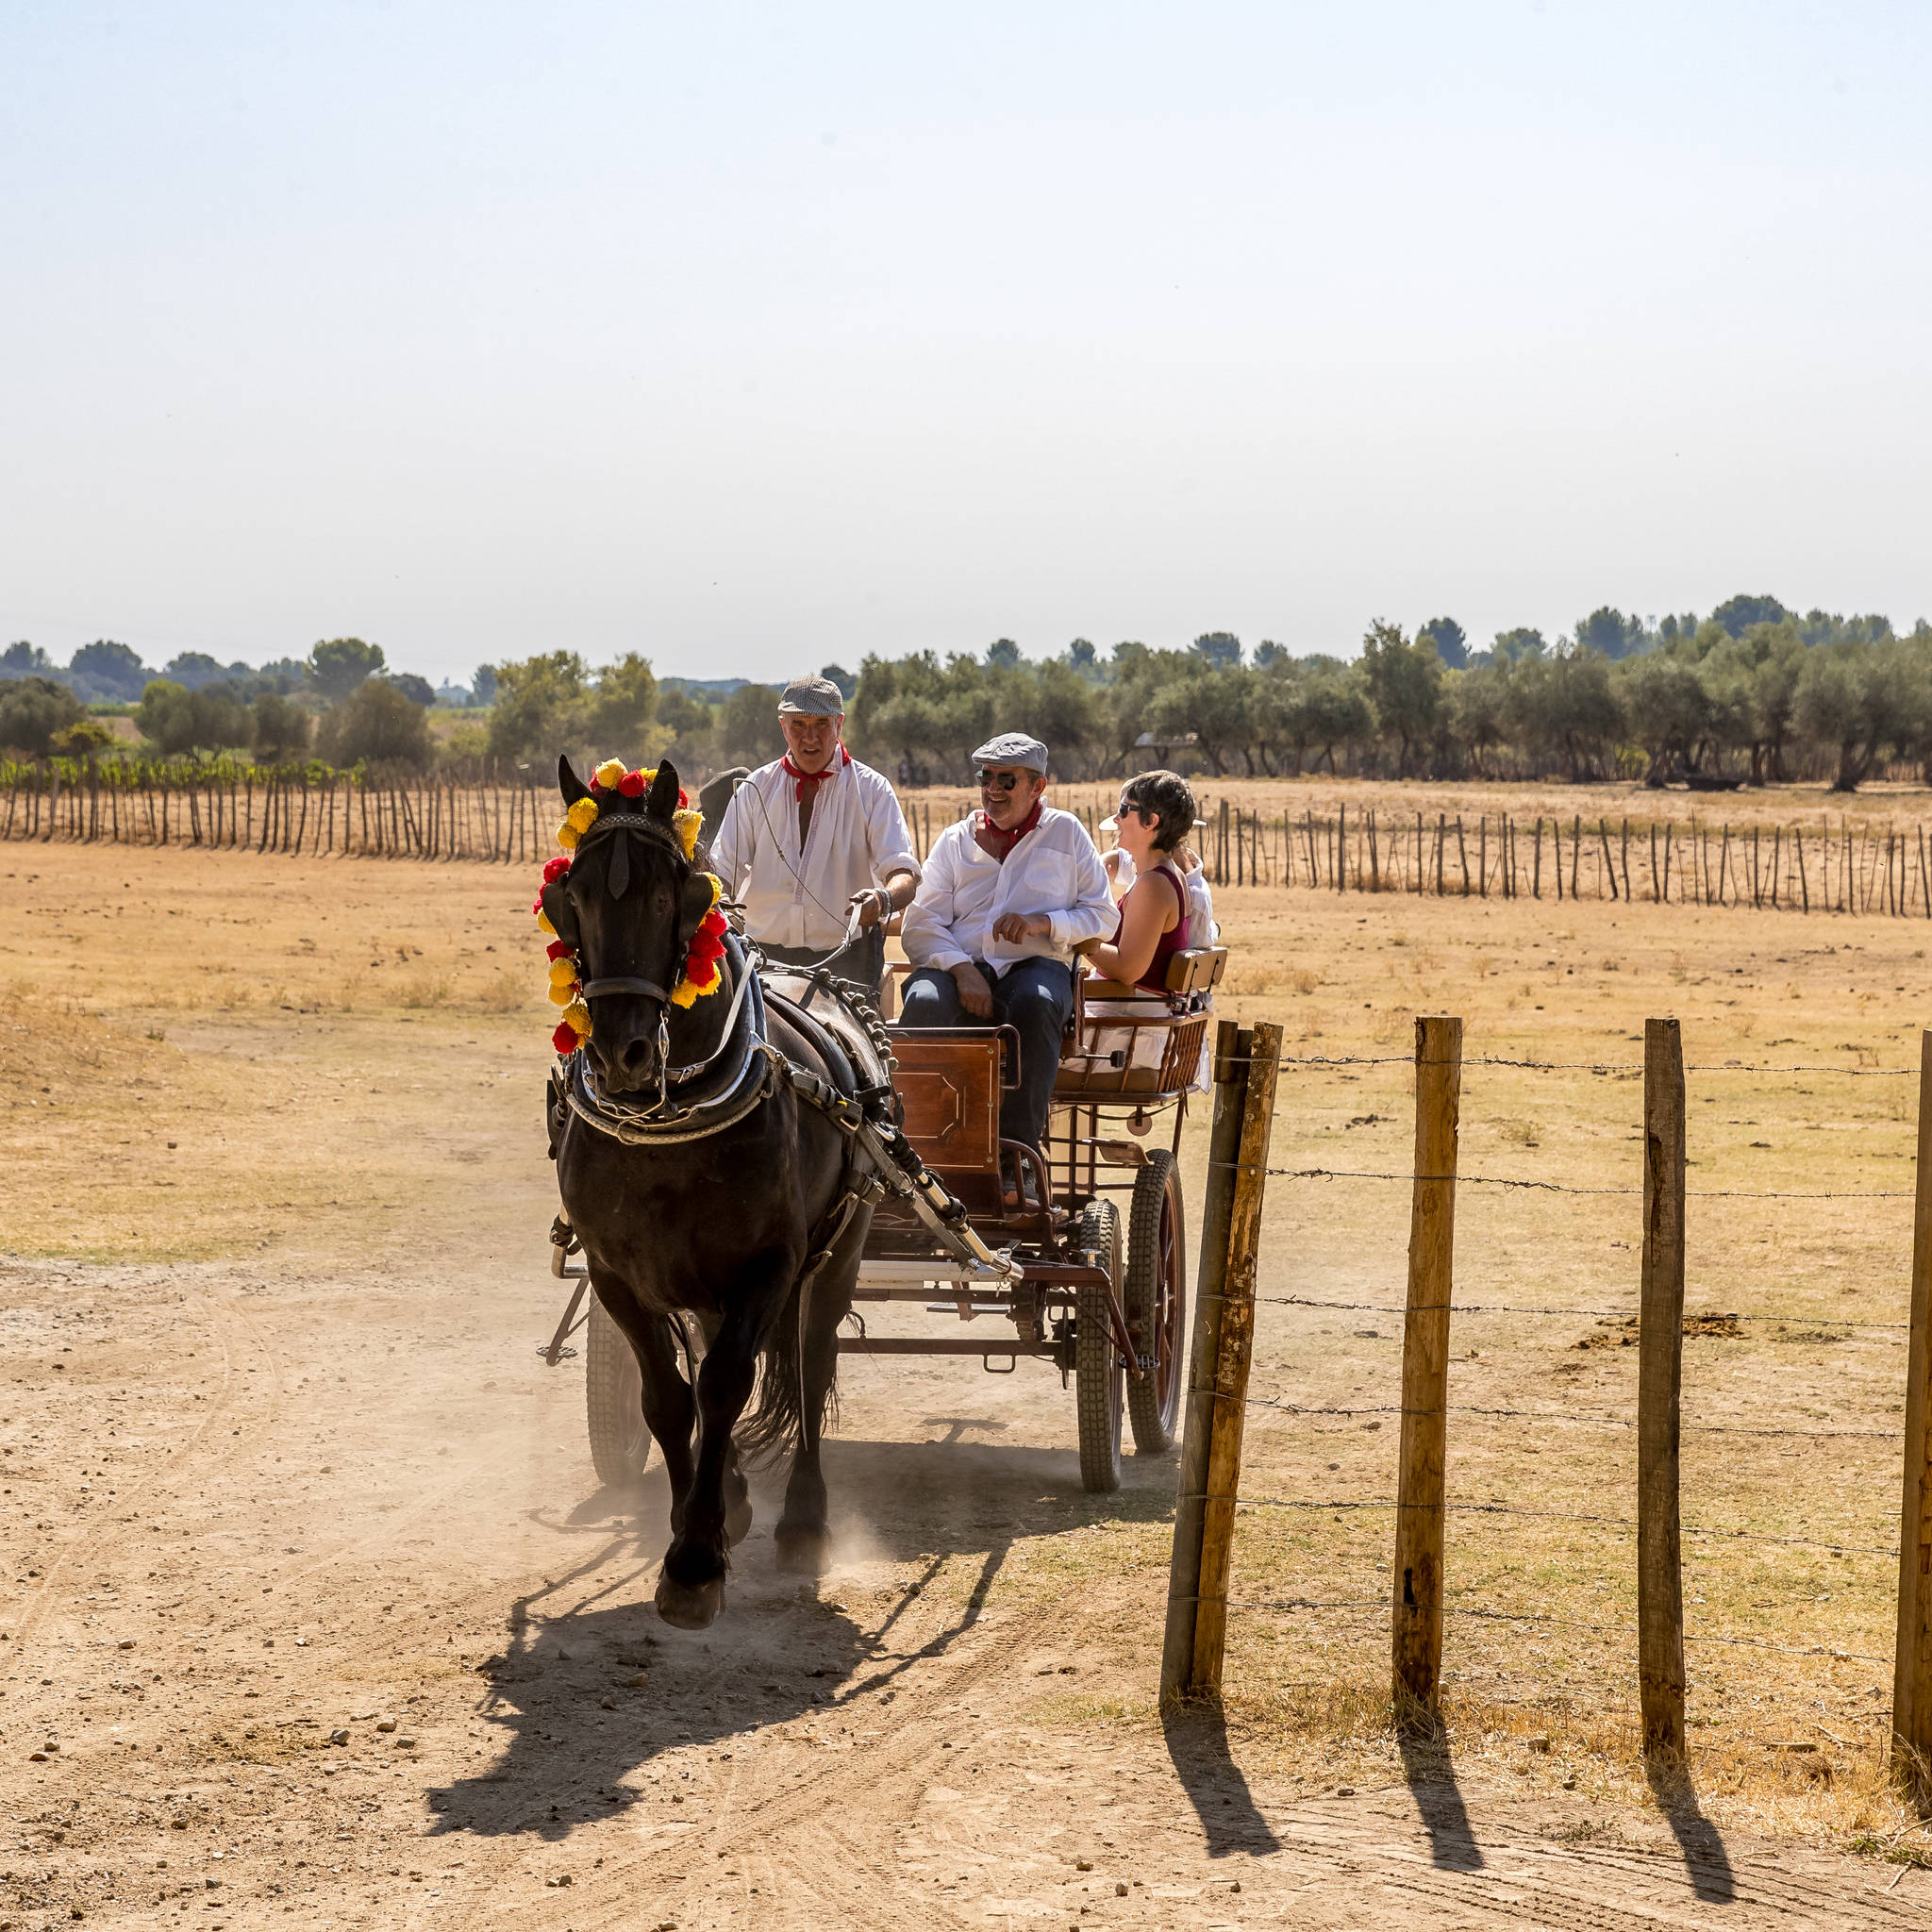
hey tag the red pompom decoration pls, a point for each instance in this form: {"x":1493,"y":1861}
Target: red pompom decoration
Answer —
{"x":556,"y":869}
{"x":557,"y":949}
{"x":632,"y":784}
{"x":565,"y":1038}
{"x":683,"y":799}
{"x":701,"y":972}
{"x":704,"y":946}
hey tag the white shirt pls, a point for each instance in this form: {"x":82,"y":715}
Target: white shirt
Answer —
{"x":1053,"y":870}
{"x":1202,"y":931}
{"x":802,"y":899}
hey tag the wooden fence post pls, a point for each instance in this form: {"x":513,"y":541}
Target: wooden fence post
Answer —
{"x":1416,"y":1576}
{"x":1232,"y":1047}
{"x":1660,"y":1382}
{"x":1231,"y":1372}
{"x":1911,"y":1681}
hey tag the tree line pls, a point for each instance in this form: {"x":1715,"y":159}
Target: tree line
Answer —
{"x":1754,"y":694}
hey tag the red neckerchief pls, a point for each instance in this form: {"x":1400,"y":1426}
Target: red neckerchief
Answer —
{"x":809,"y":782}
{"x":988,"y":836}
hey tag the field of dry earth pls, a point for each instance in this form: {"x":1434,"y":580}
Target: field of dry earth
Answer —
{"x":315,"y":1613}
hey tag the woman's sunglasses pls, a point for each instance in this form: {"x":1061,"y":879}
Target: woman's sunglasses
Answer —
{"x":997,"y":781}
{"x":1126,"y":809}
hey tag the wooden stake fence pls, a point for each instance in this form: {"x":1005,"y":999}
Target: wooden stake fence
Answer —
{"x":1417,"y":1572}
{"x":1869,"y":871}
{"x":1196,"y":1636}
{"x":1660,"y":1387}
{"x":1911,"y":1681}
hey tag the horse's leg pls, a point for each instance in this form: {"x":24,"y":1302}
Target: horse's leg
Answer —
{"x":690,"y":1591}
{"x":804,"y":1535}
{"x":669,"y":1412}
{"x":738,"y":1511}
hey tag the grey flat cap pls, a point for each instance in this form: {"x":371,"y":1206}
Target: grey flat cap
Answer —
{"x":1013,"y":748}
{"x":817,"y":697}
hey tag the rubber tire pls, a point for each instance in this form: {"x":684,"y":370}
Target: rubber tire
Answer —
{"x":1099,"y":1379}
{"x":1152,"y":1411}
{"x":613,"y":1402}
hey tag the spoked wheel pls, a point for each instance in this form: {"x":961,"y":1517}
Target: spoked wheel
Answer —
{"x":1098,"y":1376}
{"x":613,"y":1402}
{"x":1156,"y":1302}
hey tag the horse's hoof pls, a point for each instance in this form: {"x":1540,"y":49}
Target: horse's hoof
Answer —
{"x":690,"y":1606}
{"x":738,"y":1520}
{"x":803,"y":1552}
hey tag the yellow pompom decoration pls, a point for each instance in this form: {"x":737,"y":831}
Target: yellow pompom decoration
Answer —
{"x":562,"y":995}
{"x":566,"y":835}
{"x":578,"y":1018}
{"x":689,"y":824}
{"x":609,"y":772}
{"x":563,"y":972}
{"x":583,"y":814}
{"x":543,"y":925}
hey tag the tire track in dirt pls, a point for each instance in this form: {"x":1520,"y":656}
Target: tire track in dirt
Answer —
{"x":165,"y":1471}
{"x":813,"y":1873}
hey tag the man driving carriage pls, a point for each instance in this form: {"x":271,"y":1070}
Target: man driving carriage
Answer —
{"x":1009,"y":893}
{"x":811,"y":837}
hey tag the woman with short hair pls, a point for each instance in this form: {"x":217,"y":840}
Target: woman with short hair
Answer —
{"x":1154,"y":816}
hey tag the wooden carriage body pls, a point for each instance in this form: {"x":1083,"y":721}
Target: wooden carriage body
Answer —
{"x":1103,"y":1302}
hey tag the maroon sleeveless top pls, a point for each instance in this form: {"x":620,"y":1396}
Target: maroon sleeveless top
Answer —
{"x":1170,"y":942}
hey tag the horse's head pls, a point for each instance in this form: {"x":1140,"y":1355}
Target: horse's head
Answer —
{"x":629,"y":905}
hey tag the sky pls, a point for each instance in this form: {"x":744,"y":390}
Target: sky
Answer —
{"x":754,"y":338}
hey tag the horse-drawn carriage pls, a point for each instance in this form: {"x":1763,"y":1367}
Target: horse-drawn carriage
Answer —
{"x":1050,"y":1261}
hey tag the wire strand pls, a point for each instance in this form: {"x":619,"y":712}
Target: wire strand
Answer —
{"x":1804,"y":1542}
{"x":1298,"y":1301}
{"x":1492,"y":1180}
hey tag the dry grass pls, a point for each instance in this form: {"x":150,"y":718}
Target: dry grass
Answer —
{"x":1574,"y":986}
{"x":305,"y":1031}
{"x":1810,"y":806}
{"x":244,"y":1054}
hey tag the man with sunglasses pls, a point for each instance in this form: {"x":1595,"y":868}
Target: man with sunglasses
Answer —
{"x":1009,"y":895}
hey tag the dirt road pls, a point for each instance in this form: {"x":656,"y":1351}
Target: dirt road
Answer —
{"x":314,"y":1611}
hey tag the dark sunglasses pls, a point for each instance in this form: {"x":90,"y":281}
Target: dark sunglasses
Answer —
{"x":997,"y":781}
{"x":1126,"y":809}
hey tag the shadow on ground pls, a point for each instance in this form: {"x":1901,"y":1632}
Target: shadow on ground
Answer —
{"x":1705,"y":1861}
{"x":593,"y":1687}
{"x":1197,"y":1744}
{"x":1430,"y":1772}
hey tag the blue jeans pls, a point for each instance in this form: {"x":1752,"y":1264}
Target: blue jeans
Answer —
{"x":1035,"y":998}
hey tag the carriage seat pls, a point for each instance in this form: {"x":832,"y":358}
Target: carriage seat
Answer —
{"x":1128,"y":1039}
{"x":1195,"y":970}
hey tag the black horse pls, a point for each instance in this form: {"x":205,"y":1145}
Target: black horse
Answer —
{"x":710,"y":1184}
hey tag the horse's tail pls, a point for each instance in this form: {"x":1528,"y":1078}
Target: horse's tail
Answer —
{"x":774,"y":1419}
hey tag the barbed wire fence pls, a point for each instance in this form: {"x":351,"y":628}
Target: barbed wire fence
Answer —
{"x":1418,"y":1599}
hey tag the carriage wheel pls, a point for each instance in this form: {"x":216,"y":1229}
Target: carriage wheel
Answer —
{"x":1156,"y":1302}
{"x":1098,"y":1376}
{"x":613,"y":1402}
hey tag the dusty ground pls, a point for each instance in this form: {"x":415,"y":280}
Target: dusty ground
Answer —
{"x":273,"y":1421}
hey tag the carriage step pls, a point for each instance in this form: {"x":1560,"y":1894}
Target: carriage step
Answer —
{"x":919,"y":1344}
{"x":972,"y":1309}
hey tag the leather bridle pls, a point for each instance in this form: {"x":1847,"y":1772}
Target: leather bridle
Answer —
{"x":619,"y":882}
